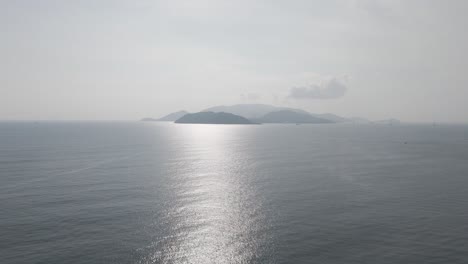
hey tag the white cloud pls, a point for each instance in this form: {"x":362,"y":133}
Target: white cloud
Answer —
{"x":330,"y":89}
{"x":250,"y":97}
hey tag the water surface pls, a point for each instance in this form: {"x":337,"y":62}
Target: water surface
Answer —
{"x":129,"y":192}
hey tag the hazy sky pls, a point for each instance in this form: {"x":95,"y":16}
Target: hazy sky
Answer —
{"x":129,"y":59}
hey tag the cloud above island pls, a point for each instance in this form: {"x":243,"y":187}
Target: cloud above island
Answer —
{"x":331,"y":89}
{"x":250,"y":97}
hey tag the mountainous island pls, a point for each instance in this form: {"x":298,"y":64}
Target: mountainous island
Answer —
{"x":288,"y":116}
{"x":251,"y":111}
{"x":212,"y":118}
{"x":170,"y":117}
{"x":260,"y":113}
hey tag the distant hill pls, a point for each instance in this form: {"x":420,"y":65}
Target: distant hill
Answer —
{"x":332,"y":117}
{"x":250,"y":110}
{"x":287,"y":116}
{"x":212,"y":118}
{"x":256,"y":113}
{"x":173,"y":116}
{"x":170,"y":117}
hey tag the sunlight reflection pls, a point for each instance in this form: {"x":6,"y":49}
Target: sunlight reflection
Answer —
{"x":217,"y":214}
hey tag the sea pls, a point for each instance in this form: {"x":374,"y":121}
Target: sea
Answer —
{"x":158,"y":192}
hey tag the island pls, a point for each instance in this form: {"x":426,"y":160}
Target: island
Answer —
{"x":213,"y":118}
{"x":170,"y":117}
{"x":288,"y":117}
{"x":173,"y":116}
{"x":258,"y":114}
{"x":250,"y":111}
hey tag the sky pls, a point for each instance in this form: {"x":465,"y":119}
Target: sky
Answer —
{"x":124,"y":60}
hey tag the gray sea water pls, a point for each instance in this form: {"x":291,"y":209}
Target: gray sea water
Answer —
{"x":117,"y":192}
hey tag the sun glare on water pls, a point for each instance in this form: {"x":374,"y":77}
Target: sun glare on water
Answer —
{"x":213,"y":199}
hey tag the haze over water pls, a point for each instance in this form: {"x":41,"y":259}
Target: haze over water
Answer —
{"x":117,"y":192}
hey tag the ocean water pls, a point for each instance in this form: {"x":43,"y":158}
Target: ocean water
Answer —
{"x":134,"y":192}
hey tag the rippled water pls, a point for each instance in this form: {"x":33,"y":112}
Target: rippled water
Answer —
{"x":83,"y":192}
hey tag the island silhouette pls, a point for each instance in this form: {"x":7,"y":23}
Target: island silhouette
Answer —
{"x":212,"y":118}
{"x":258,"y":114}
